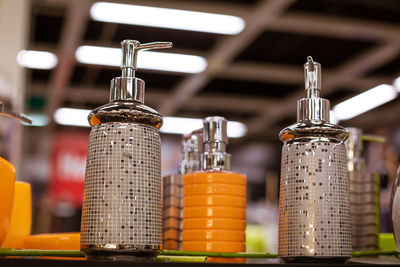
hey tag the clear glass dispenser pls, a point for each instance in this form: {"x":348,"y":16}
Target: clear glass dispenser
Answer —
{"x":172,"y":190}
{"x":122,"y":205}
{"x":314,"y":215}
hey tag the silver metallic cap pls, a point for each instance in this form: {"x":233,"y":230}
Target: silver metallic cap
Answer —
{"x":128,"y":87}
{"x":313,"y":108}
{"x":215,"y":139}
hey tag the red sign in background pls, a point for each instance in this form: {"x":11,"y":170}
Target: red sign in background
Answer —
{"x":68,"y":164}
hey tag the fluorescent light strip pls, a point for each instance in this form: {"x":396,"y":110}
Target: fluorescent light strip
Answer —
{"x":97,"y":55}
{"x":37,"y":59}
{"x":178,"y":125}
{"x":167,"y":18}
{"x":38,"y":120}
{"x":365,"y":101}
{"x":396,"y":84}
{"x":171,"y":125}
{"x":72,"y":117}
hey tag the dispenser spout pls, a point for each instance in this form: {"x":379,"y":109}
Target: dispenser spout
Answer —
{"x":312,"y":77}
{"x":130,"y":49}
{"x":129,"y":87}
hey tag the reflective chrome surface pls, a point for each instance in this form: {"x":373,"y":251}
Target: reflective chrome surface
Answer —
{"x":314,"y":207}
{"x":128,"y":87}
{"x":312,"y":108}
{"x":215,"y":139}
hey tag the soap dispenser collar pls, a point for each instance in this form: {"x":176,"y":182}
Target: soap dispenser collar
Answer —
{"x":215,"y":139}
{"x":312,"y":108}
{"x":128,"y":87}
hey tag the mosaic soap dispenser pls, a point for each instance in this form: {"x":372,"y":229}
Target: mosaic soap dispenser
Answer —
{"x":172,"y":190}
{"x":314,"y":215}
{"x":122,"y":205}
{"x":214,"y":199}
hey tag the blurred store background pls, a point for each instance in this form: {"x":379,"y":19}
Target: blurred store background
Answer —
{"x":248,"y":68}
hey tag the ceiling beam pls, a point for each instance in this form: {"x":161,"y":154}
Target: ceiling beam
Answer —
{"x":336,"y":27}
{"x":71,"y":36}
{"x":223,"y":53}
{"x":350,"y":69}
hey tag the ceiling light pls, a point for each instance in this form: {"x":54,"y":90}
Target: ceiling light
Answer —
{"x":38,"y":120}
{"x":36,"y":59}
{"x":365,"y":101}
{"x":178,"y":125}
{"x":333,"y":118}
{"x":171,"y":125}
{"x":166,"y":18}
{"x":97,"y":55}
{"x":396,"y":84}
{"x":72,"y":117}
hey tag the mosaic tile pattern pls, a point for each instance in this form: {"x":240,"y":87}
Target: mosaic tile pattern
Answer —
{"x":122,"y":198}
{"x":314,"y":214}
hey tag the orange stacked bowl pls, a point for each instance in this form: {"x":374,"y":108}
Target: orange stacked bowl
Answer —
{"x":214,"y":205}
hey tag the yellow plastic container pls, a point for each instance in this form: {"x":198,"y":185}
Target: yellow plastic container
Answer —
{"x":7,"y":188}
{"x":21,"y":218}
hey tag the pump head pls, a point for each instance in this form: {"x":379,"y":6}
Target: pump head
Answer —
{"x":128,"y":87}
{"x":215,"y":139}
{"x":312,"y":108}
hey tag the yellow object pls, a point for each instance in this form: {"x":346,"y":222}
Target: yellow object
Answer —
{"x":21,"y":218}
{"x":57,"y":241}
{"x":214,"y":213}
{"x":7,"y":185}
{"x":214,"y":223}
{"x":387,"y":242}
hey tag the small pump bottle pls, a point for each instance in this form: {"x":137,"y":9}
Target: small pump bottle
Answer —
{"x":122,"y":206}
{"x":172,"y":190}
{"x":314,"y":215}
{"x":214,"y":199}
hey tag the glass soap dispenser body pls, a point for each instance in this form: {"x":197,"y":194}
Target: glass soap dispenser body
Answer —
{"x":121,"y":214}
{"x":314,"y":215}
{"x":192,"y":145}
{"x":214,"y":199}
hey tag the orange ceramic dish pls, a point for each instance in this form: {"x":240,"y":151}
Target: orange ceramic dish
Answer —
{"x":213,"y":235}
{"x":215,"y":189}
{"x":215,"y":246}
{"x":214,"y":178}
{"x":214,"y":200}
{"x":58,"y":241}
{"x":214,"y":212}
{"x":7,"y":185}
{"x":21,"y":218}
{"x":214,"y":223}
